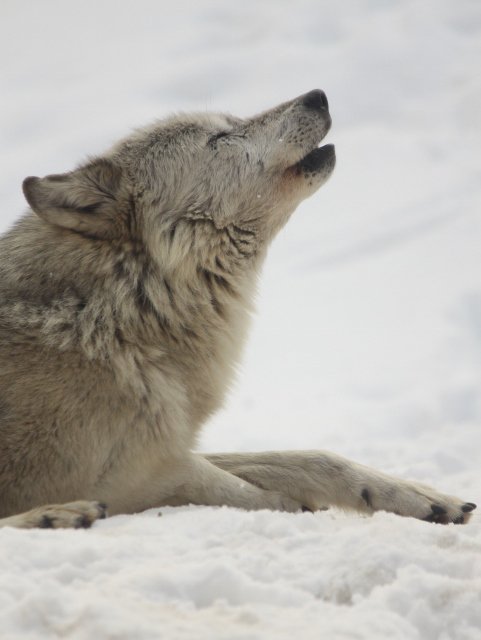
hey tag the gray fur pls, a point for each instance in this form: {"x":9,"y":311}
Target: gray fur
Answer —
{"x":125,"y":295}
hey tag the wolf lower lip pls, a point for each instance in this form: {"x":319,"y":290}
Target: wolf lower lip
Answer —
{"x":317,"y":158}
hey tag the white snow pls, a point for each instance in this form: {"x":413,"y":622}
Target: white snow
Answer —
{"x":368,"y":336}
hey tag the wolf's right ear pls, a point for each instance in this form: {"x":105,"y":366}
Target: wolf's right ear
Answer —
{"x":85,"y":200}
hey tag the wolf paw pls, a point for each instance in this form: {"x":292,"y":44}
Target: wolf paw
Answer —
{"x":440,"y":515}
{"x":73,"y":515}
{"x":418,"y":501}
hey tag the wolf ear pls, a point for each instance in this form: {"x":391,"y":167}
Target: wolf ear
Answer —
{"x":85,"y":200}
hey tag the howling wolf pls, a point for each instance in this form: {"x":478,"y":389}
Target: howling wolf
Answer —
{"x":125,"y":295}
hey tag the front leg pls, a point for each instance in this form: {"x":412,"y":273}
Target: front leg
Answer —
{"x":320,"y":478}
{"x":195,"y":480}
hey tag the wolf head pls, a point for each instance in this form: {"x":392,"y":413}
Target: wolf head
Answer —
{"x":208,"y":171}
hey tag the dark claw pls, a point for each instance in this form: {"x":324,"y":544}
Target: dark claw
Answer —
{"x":46,"y":523}
{"x":438,"y":515}
{"x":102,"y":507}
{"x":437,"y":510}
{"x":83,"y":522}
{"x":306,"y":509}
{"x":469,"y":506}
{"x":459,"y":520}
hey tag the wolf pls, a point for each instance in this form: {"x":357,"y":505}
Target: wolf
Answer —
{"x":125,"y":297}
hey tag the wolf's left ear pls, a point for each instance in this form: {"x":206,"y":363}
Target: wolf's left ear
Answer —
{"x":86,"y":200}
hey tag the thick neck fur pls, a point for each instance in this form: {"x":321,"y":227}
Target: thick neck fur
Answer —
{"x":190,"y":303}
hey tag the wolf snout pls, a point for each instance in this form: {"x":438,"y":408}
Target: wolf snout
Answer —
{"x":315,"y":99}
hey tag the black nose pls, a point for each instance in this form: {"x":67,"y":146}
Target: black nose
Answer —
{"x":316,"y":99}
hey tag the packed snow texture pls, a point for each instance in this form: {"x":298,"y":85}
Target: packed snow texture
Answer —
{"x":367,"y":339}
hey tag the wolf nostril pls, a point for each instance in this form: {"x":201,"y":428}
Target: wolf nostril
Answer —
{"x":316,"y":99}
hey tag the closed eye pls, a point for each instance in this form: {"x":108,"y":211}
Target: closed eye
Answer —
{"x":223,"y":134}
{"x":217,"y":136}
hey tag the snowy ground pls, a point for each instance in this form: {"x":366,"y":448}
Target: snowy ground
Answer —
{"x":368,"y":337}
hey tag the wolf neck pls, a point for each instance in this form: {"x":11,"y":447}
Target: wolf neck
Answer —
{"x":191,"y":310}
{"x":198,"y":281}
{"x":200,"y":325}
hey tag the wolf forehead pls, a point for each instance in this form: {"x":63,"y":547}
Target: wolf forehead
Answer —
{"x":181,"y":135}
{"x":291,"y":127}
{"x":182,"y":123}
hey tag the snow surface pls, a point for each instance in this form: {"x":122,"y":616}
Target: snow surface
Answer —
{"x":368,"y":336}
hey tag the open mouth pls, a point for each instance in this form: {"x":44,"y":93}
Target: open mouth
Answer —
{"x":318,"y":159}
